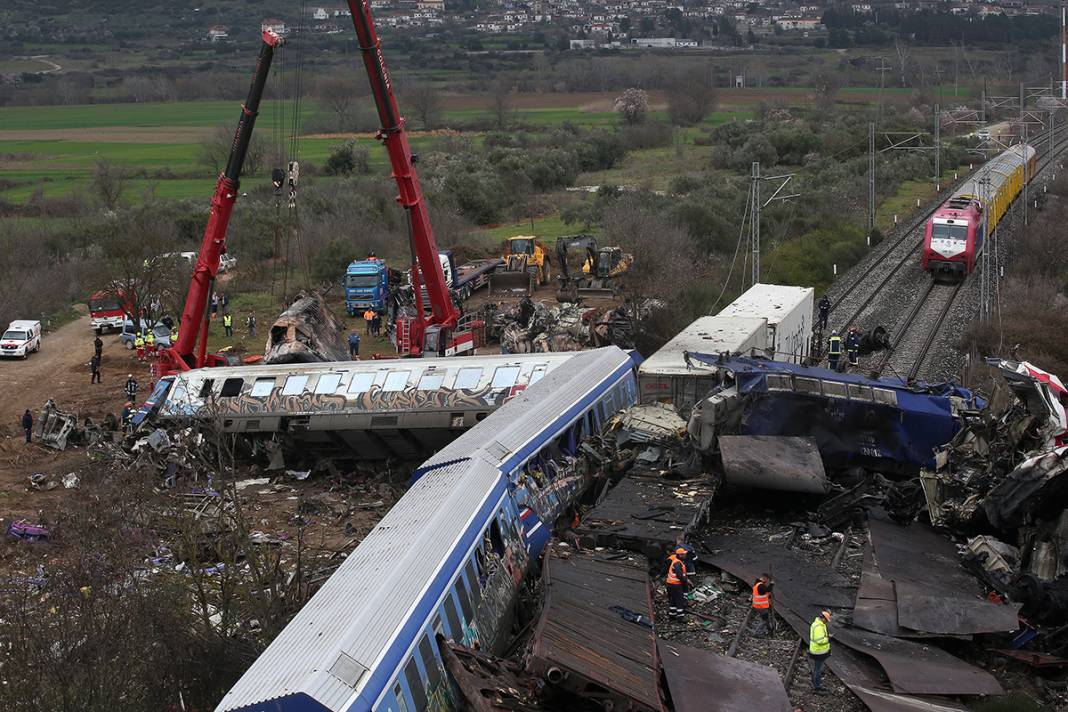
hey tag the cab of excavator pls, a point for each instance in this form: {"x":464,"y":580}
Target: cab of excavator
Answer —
{"x":607,"y":259}
{"x":521,"y":245}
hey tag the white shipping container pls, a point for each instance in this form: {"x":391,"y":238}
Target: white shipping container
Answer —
{"x":665,"y":377}
{"x":788,"y":311}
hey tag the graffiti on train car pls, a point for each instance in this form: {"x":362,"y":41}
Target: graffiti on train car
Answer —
{"x":412,"y":398}
{"x":275,"y":402}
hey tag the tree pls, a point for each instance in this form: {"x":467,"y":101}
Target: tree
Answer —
{"x":690,"y":100}
{"x":632,"y":105}
{"x":502,"y":105}
{"x":426,"y":104}
{"x":215,"y":147}
{"x":903,"y":50}
{"x":347,"y":158}
{"x":826,"y":86}
{"x":108,"y":183}
{"x":339,"y":94}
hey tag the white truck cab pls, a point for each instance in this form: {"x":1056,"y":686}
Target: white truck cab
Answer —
{"x":22,"y":337}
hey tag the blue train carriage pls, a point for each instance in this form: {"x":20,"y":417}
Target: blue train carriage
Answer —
{"x":447,"y":560}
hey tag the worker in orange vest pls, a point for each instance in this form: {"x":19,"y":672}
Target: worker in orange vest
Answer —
{"x":762,"y":606}
{"x":677,"y":584}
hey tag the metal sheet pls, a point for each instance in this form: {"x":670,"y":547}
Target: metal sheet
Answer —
{"x":934,"y":594}
{"x":916,"y":668}
{"x":703,"y":681}
{"x":773,"y":462}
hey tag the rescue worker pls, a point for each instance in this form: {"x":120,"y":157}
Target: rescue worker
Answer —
{"x":853,"y":346}
{"x":174,"y":336}
{"x":139,"y":344}
{"x":834,"y":350}
{"x":251,"y":324}
{"x":677,"y":584}
{"x":376,"y":324}
{"x":228,"y":324}
{"x":819,"y":649}
{"x":690,"y":559}
{"x":214,"y":305}
{"x":130,"y":389}
{"x":354,"y":344}
{"x":150,"y":342}
{"x":825,"y":311}
{"x":98,"y":346}
{"x":762,"y":606}
{"x":686,"y":359}
{"x":368,"y":317}
{"x":27,"y":424}
{"x":127,"y":416}
{"x":94,"y":366}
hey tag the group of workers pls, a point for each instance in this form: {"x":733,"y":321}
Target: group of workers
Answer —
{"x":372,"y":322}
{"x":836,"y":345}
{"x":682,"y":566}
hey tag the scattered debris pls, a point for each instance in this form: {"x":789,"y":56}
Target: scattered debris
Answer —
{"x":702,"y":681}
{"x":769,"y":462}
{"x":568,"y":327}
{"x":32,"y":533}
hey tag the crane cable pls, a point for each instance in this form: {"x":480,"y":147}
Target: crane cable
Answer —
{"x":294,"y":145}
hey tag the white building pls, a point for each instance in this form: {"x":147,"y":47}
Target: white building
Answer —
{"x":217,"y":34}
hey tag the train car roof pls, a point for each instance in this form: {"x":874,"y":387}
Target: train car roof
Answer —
{"x":340,"y":643}
{"x":708,"y":334}
{"x":559,"y":396}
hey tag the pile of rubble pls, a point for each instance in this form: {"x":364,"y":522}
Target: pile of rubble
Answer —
{"x":534,"y":327}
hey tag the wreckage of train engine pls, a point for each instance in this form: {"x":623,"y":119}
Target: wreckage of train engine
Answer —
{"x":882,"y":424}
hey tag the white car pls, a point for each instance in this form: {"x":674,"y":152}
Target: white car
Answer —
{"x":227,"y":262}
{"x":21,"y":337}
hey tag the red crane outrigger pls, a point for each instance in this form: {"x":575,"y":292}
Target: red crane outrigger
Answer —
{"x":433,"y":335}
{"x":190,"y":350}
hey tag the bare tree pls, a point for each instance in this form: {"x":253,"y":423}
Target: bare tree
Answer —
{"x":340,"y":95}
{"x":108,"y":182}
{"x":903,"y":51}
{"x":826,"y":86}
{"x":502,"y":105}
{"x":141,"y":89}
{"x":425,"y":101}
{"x":690,"y":100}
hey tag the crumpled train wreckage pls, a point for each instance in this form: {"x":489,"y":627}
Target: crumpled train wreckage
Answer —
{"x":533,"y":327}
{"x":306,"y":332}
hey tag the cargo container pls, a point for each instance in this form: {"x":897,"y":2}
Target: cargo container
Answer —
{"x":788,"y":311}
{"x":665,"y":377}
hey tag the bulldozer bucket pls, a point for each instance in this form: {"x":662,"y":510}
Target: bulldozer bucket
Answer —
{"x":506,"y":281}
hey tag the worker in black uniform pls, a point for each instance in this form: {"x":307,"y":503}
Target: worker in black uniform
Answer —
{"x":834,"y":350}
{"x":130,"y":389}
{"x":825,"y":311}
{"x":853,"y":346}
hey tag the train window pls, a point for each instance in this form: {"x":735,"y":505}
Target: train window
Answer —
{"x":453,"y":619}
{"x":834,"y":389}
{"x":262,"y":387}
{"x":439,"y":629}
{"x":431,"y":381}
{"x":294,"y":385}
{"x":415,"y":685}
{"x":495,"y":538}
{"x":465,"y":599}
{"x":232,"y":387}
{"x":467,"y":378}
{"x":430,"y":664}
{"x":472,"y":578}
{"x":361,"y":382}
{"x":883,"y":395}
{"x":504,"y":377}
{"x":778,"y":382}
{"x":537,"y":374}
{"x":328,"y":383}
{"x":396,"y":381}
{"x":807,"y":385}
{"x":398,"y":692}
{"x":205,"y":389}
{"x":859,"y":392}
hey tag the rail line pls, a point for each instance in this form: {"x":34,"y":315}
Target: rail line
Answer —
{"x":910,"y":348}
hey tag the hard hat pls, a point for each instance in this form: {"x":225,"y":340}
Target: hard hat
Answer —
{"x":681,"y":550}
{"x":129,"y":375}
{"x":826,"y":615}
{"x":129,"y":403}
{"x":834,"y":333}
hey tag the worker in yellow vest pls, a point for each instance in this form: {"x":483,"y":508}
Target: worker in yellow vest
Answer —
{"x":819,"y":649}
{"x":150,"y":343}
{"x":139,"y":344}
{"x":228,"y":323}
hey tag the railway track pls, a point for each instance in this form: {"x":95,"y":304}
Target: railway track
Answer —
{"x":919,"y":329}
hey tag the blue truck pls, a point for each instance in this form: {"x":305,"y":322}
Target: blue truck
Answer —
{"x":366,"y":286}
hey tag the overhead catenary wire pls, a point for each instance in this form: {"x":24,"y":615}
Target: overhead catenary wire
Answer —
{"x":737,"y":248}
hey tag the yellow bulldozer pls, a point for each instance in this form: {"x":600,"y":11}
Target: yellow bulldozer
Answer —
{"x":602,"y":269}
{"x":526,"y":265}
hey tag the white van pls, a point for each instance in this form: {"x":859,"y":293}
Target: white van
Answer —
{"x":22,"y":337}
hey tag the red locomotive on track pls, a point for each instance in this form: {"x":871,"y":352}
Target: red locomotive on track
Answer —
{"x":954,"y":237}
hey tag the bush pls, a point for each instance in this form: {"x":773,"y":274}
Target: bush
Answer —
{"x":347,"y":158}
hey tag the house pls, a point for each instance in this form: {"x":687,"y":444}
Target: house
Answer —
{"x":685,"y":43}
{"x":582,"y":44}
{"x":436,"y":5}
{"x":217,"y":33}
{"x":321,"y":13}
{"x":799,"y":23}
{"x":653,"y":42}
{"x":273,"y":24}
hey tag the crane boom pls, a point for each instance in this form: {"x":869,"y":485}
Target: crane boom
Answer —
{"x":190,"y":349}
{"x":395,"y":137}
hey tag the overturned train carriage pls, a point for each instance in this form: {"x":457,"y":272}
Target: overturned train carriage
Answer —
{"x":371,"y":409}
{"x":448,"y":559}
{"x":883,"y":424}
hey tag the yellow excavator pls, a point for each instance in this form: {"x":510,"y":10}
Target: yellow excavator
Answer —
{"x":602,"y":269}
{"x":526,"y":265}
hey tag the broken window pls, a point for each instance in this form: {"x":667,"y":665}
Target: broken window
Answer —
{"x":262,"y":387}
{"x":468,"y":378}
{"x":415,"y":685}
{"x":495,"y":538}
{"x":294,"y":385}
{"x":361,"y":382}
{"x":205,"y":388}
{"x":453,"y":619}
{"x":778,"y":382}
{"x":807,"y":385}
{"x":430,"y":663}
{"x":232,"y":387}
{"x":328,"y":383}
{"x":465,"y":599}
{"x":835,"y":389}
{"x":504,"y":377}
{"x":396,"y":381}
{"x":472,"y":578}
{"x":883,"y":395}
{"x":859,"y":392}
{"x":431,"y":381}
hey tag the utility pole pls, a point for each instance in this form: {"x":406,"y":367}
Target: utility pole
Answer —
{"x":938,"y":148}
{"x":754,"y":221}
{"x":1064,"y":56}
{"x":871,"y":178}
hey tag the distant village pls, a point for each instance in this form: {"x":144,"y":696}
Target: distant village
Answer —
{"x":633,"y":23}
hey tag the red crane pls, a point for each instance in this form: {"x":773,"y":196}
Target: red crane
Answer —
{"x":433,"y":334}
{"x":190,"y":349}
